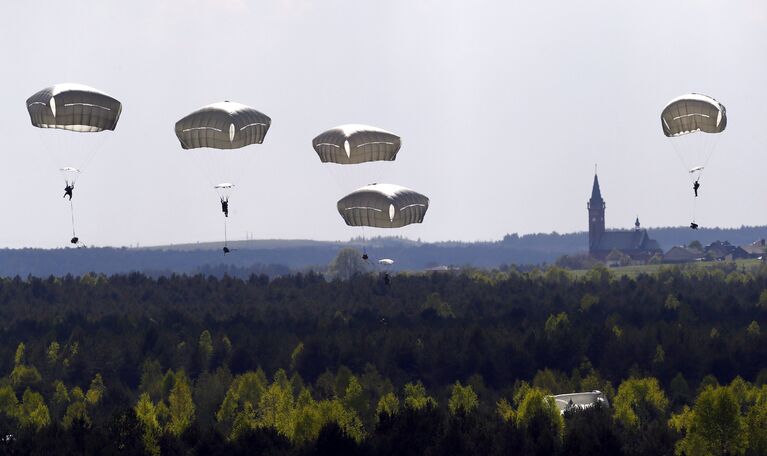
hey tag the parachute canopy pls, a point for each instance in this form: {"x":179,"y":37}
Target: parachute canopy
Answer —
{"x":691,"y":113}
{"x":353,"y":143}
{"x":224,"y":125}
{"x":383,"y":206}
{"x":386,"y":261}
{"x":74,"y":107}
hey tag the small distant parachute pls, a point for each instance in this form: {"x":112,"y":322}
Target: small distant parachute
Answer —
{"x":224,"y":125}
{"x":693,"y":113}
{"x":383,"y":206}
{"x":696,"y":169}
{"x":74,"y":107}
{"x":355,"y":143}
{"x":386,"y":262}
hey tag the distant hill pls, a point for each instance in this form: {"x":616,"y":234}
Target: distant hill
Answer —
{"x":278,"y":257}
{"x":671,"y":236}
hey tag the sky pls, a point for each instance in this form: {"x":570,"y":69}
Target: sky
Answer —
{"x":503,"y":107}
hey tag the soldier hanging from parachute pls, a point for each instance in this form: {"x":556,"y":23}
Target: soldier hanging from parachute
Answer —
{"x":72,"y":111}
{"x":688,"y":114}
{"x":228,"y":127}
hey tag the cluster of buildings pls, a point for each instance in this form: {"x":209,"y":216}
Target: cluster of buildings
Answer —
{"x":620,"y":247}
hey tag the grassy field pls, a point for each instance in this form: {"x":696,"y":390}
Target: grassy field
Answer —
{"x":633,"y":271}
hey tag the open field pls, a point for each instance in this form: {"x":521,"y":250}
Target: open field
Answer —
{"x":633,"y":271}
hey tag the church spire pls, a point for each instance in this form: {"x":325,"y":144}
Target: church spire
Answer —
{"x":596,"y":207}
{"x":596,"y":194}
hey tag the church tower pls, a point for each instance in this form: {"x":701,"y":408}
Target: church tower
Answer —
{"x":596,"y":207}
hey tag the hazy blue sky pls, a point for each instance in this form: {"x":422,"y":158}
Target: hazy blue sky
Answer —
{"x":503,"y":108}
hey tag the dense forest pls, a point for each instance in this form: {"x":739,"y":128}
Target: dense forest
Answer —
{"x":434,"y":363}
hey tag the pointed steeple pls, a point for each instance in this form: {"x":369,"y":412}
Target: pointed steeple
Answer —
{"x":596,"y":194}
{"x":596,"y":207}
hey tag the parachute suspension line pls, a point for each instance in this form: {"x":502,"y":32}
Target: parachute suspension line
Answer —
{"x":91,"y":153}
{"x":226,"y":241}
{"x":708,"y":154}
{"x":72,"y":213}
{"x":694,"y":208}
{"x":680,"y":155}
{"x":364,"y":245}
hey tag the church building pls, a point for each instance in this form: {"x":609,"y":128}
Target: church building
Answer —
{"x":635,"y":243}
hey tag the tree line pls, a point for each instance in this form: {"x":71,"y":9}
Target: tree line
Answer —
{"x":439,"y":363}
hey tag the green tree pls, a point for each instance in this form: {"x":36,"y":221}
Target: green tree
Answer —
{"x":714,"y":426}
{"x":416,"y":398}
{"x":354,"y":397}
{"x":506,"y":411}
{"x":388,"y":405}
{"x":695,"y":245}
{"x":588,"y":301}
{"x":308,"y":418}
{"x":75,"y":412}
{"x":275,"y":408}
{"x":756,"y":423}
{"x":598,"y":274}
{"x":18,"y":358}
{"x":295,"y":356}
{"x":209,"y":391}
{"x":96,"y":391}
{"x":53,"y":353}
{"x":33,"y":413}
{"x":168,"y":380}
{"x":205,"y":349}
{"x":151,"y":379}
{"x":679,"y":390}
{"x":244,"y":421}
{"x":245,"y":389}
{"x":9,"y":403}
{"x":147,"y":415}
{"x":551,"y":381}
{"x":463,"y":400}
{"x":672,"y":303}
{"x":60,"y":399}
{"x":763,"y":299}
{"x":180,"y":405}
{"x":347,"y":420}
{"x":348,"y":263}
{"x":325,"y":386}
{"x":557,"y":324}
{"x":440,"y":307}
{"x":23,"y":376}
{"x":639,"y":400}
{"x":540,"y":411}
